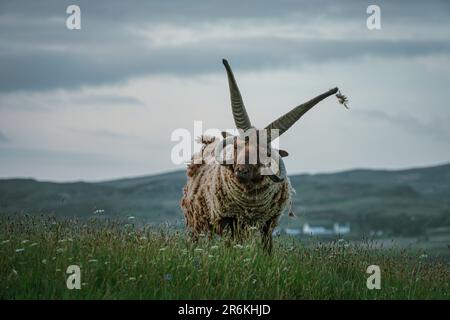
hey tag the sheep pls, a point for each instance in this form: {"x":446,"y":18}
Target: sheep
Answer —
{"x":225,"y":191}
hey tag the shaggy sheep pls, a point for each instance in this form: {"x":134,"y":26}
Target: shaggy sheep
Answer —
{"x":230,"y":189}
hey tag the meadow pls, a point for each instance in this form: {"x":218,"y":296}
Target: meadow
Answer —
{"x":120,"y":259}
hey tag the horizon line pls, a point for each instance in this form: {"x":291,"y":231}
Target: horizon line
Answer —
{"x":167,"y":172}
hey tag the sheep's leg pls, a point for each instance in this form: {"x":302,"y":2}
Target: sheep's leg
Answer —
{"x":194,"y":238}
{"x":266,"y":235}
{"x":230,"y":224}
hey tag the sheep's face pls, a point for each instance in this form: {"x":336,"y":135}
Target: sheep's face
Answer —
{"x":245,"y":170}
{"x":249,"y":161}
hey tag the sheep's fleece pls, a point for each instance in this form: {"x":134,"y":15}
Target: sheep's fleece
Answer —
{"x":212,"y":196}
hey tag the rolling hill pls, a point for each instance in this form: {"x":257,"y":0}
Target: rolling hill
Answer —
{"x":404,"y":202}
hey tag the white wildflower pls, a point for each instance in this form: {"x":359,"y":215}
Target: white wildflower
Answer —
{"x":20,"y":249}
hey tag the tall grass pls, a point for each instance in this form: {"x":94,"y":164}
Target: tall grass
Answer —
{"x":119,"y":260}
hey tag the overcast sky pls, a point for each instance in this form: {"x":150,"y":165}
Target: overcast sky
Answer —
{"x":102,"y":102}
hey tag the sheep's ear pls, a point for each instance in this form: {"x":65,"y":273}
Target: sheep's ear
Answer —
{"x":283,"y":153}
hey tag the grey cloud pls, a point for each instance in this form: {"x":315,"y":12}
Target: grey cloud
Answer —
{"x":438,"y":128}
{"x":3,"y":137}
{"x":108,"y":100}
{"x":106,"y":134}
{"x":8,"y":154}
{"x":39,"y":53}
{"x":59,"y":70}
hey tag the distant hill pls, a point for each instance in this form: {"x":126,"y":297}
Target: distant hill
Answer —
{"x":401,"y":202}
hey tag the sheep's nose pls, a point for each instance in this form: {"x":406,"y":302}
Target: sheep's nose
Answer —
{"x":243,"y":173}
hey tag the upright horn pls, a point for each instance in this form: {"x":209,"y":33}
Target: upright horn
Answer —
{"x":284,"y":122}
{"x":237,"y":105}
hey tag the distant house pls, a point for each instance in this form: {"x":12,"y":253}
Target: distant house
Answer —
{"x":292,"y":231}
{"x":321,"y":231}
{"x":344,"y":229}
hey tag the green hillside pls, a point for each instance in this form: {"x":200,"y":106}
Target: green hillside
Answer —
{"x":401,"y":203}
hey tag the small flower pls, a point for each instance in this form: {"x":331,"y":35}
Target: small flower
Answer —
{"x":131,"y":217}
{"x":25,"y":241}
{"x":196,"y":263}
{"x":246,"y":260}
{"x":143,"y":238}
{"x":253,"y":228}
{"x":6,"y":241}
{"x":167,"y":277}
{"x":131,"y":279}
{"x":44,"y":261}
{"x":34,"y":244}
{"x":59,"y":250}
{"x":198,"y":249}
{"x":210,"y":256}
{"x":84,"y":284}
{"x":163,"y":249}
{"x":20,"y":249}
{"x":58,"y":270}
{"x":423,"y":256}
{"x":214,"y":247}
{"x":239,"y":246}
{"x":93,"y":261}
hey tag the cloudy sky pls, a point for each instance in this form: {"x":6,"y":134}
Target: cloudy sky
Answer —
{"x":102,"y":102}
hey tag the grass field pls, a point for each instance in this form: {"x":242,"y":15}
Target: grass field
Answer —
{"x":119,"y":260}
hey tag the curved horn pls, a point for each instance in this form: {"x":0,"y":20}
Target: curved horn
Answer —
{"x":237,"y":105}
{"x":284,"y":122}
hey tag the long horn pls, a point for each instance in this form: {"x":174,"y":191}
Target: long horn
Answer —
{"x":237,"y":105}
{"x":284,"y":122}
